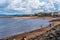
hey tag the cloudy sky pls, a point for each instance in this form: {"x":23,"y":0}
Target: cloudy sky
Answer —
{"x":28,"y":6}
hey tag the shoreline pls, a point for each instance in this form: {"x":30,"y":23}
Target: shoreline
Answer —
{"x":32,"y":33}
{"x":25,"y":17}
{"x":31,"y":17}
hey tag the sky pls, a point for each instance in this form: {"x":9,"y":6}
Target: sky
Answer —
{"x":28,"y":6}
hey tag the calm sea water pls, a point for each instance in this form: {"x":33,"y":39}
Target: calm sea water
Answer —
{"x":10,"y":26}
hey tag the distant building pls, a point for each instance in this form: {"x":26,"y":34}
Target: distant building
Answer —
{"x":56,"y":14}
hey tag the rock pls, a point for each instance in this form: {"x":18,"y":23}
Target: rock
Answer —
{"x":53,"y":34}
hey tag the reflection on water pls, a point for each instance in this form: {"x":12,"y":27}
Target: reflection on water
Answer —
{"x":9,"y":26}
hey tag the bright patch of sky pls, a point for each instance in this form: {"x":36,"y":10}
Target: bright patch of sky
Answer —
{"x":43,"y":0}
{"x":28,"y":6}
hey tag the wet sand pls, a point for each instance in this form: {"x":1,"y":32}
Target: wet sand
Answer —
{"x":34,"y":33}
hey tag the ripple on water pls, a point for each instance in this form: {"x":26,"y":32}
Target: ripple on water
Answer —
{"x":9,"y":26}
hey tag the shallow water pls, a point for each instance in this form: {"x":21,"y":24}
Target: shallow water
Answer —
{"x":10,"y":26}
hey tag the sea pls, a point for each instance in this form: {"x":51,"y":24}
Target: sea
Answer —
{"x":15,"y":26}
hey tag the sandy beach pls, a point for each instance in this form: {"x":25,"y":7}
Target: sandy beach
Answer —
{"x":33,"y":33}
